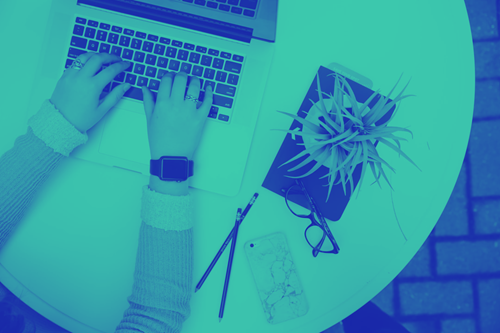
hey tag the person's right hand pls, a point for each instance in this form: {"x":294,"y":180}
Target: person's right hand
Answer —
{"x":174,"y":124}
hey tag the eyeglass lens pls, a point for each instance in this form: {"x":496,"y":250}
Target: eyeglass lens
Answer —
{"x":299,"y":205}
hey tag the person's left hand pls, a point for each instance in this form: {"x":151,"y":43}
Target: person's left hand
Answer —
{"x":77,"y":94}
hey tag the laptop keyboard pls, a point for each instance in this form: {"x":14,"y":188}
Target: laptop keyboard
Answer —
{"x":246,"y":8}
{"x":153,"y":56}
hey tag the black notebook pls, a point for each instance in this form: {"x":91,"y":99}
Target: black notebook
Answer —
{"x":318,"y":188}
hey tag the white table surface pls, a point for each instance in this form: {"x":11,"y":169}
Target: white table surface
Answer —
{"x":72,"y":257}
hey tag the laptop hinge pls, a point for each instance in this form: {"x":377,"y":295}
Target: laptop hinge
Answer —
{"x":174,"y":17}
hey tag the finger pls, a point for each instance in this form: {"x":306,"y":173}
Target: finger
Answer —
{"x":194,"y":89}
{"x":179,"y":87}
{"x":111,"y":99}
{"x":94,"y":64}
{"x":83,"y":58}
{"x":165,"y":87}
{"x":207,"y":102}
{"x":149,"y":105}
{"x":109,"y":73}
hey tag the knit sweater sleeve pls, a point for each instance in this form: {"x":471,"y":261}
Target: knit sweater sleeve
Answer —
{"x":161,"y":292}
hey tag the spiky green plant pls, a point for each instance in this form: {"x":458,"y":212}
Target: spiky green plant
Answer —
{"x":349,"y":143}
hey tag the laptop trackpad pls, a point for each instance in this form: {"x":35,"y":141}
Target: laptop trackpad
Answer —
{"x":125,"y":136}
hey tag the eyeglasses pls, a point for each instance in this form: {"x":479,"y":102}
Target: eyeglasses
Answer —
{"x":301,"y":204}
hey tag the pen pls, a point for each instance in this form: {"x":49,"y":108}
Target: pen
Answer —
{"x":229,"y":265}
{"x":226,"y":242}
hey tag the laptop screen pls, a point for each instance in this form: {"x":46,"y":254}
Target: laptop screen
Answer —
{"x":174,"y":17}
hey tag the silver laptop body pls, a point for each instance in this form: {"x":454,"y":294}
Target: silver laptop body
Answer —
{"x":239,"y":36}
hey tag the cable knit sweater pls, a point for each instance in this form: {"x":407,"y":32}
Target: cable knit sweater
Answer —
{"x":163,"y":270}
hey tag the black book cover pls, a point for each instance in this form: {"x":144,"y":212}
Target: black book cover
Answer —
{"x":318,"y":188}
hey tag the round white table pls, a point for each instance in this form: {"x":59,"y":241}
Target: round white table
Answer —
{"x":78,"y":271}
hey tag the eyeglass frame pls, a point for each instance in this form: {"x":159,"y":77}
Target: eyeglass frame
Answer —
{"x":322,"y":223}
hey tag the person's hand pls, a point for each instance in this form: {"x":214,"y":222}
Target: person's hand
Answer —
{"x":175,"y":125}
{"x":77,"y":94}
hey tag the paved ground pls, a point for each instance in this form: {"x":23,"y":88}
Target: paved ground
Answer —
{"x":452,"y":285}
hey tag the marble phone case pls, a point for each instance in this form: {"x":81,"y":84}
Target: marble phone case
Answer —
{"x":275,"y":277}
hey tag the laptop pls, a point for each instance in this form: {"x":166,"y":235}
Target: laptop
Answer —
{"x":228,"y":44}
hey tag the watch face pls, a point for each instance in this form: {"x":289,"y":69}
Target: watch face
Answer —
{"x":174,"y":168}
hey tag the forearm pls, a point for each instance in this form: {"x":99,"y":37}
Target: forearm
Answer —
{"x":23,"y":169}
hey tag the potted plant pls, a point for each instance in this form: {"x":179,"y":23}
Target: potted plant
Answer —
{"x":341,"y":144}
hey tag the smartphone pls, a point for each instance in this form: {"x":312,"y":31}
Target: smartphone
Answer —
{"x":275,"y":277}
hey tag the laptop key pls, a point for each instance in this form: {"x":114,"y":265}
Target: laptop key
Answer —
{"x":78,"y":42}
{"x":218,"y":63}
{"x":74,"y":53}
{"x":162,"y":62}
{"x":139,"y":56}
{"x":232,"y":67}
{"x":154,"y":84}
{"x":249,"y":13}
{"x":159,"y":49}
{"x":104,"y":26}
{"x":90,"y":32}
{"x":135,"y":93}
{"x":104,"y":48}
{"x":148,"y":47}
{"x":113,"y":38}
{"x":223,"y":101}
{"x":116,"y":51}
{"x":78,"y":30}
{"x":236,"y":10}
{"x":136,"y":43}
{"x":153,"y":38}
{"x":194,"y":58}
{"x":233,"y":79}
{"x":101,"y":35}
{"x":151,"y":59}
{"x":183,"y":55}
{"x":127,"y":54}
{"x":174,"y":65}
{"x":250,"y":4}
{"x":225,"y":90}
{"x":93,"y":23}
{"x":124,"y":41}
{"x":186,"y":68}
{"x":93,"y":45}
{"x":131,"y":78}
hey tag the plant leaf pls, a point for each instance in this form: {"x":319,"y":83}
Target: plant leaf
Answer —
{"x":387,"y":143}
{"x":300,"y":133}
{"x":318,"y":164}
{"x":347,"y":135}
{"x":327,"y":117}
{"x":311,"y":126}
{"x":352,"y":98}
{"x":309,"y":150}
{"x":363,"y":168}
{"x":367,"y":102}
